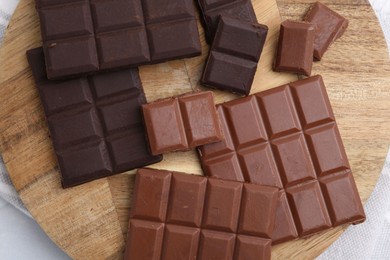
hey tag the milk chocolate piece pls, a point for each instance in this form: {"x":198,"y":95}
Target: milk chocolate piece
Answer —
{"x":287,"y":137}
{"x":182,"y":123}
{"x":233,"y":57}
{"x":295,"y":47}
{"x":182,"y":216}
{"x":211,"y":9}
{"x":95,"y":122}
{"x":82,"y":37}
{"x":329,"y":26}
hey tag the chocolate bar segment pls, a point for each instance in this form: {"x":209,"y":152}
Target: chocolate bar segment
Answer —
{"x":212,"y":9}
{"x":295,"y":47}
{"x":234,"y":54}
{"x":340,"y":192}
{"x":206,"y":218}
{"x":329,"y":26}
{"x":284,"y":228}
{"x":313,"y":216}
{"x":182,"y":123}
{"x":82,"y":37}
{"x":287,"y":137}
{"x":95,"y":122}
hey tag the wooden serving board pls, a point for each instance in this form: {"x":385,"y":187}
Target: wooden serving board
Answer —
{"x":90,"y":221}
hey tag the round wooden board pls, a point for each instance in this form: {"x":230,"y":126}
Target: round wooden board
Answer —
{"x":90,"y":221}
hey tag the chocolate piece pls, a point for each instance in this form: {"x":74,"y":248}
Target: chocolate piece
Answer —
{"x":329,"y":26}
{"x":233,"y":57}
{"x":182,"y":123}
{"x":95,"y":122}
{"x":81,"y":37}
{"x":212,"y":9}
{"x":287,"y":137}
{"x":182,"y":216}
{"x":295,"y":47}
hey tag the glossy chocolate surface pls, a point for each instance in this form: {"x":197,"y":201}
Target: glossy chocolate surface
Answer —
{"x":295,"y":47}
{"x":329,"y":26}
{"x":234,"y":54}
{"x":182,"y":216}
{"x":211,"y":10}
{"x":287,"y":137}
{"x":95,"y":122}
{"x":182,"y":122}
{"x":82,"y":37}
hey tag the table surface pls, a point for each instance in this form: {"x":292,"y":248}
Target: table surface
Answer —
{"x":356,"y":72}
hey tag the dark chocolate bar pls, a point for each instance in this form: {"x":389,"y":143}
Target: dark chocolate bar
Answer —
{"x":95,"y":122}
{"x":82,"y":36}
{"x":287,"y":137}
{"x":234,"y":54}
{"x":295,"y":47}
{"x":182,"y":216}
{"x":329,"y":26}
{"x":212,"y":9}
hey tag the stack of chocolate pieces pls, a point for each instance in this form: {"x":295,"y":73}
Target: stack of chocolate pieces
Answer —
{"x":275,"y":162}
{"x":94,"y":114}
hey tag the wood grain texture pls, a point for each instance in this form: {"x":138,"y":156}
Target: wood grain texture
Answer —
{"x":90,"y":221}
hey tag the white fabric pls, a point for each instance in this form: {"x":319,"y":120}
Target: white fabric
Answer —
{"x":8,"y":192}
{"x":7,"y":8}
{"x":22,"y":238}
{"x":382,"y":10}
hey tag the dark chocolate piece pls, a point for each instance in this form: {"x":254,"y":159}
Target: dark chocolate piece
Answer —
{"x":212,"y":9}
{"x":287,"y":137}
{"x":329,"y":26}
{"x":234,"y":54}
{"x":182,"y":216}
{"x":295,"y":47}
{"x":95,"y":122}
{"x":182,"y":123}
{"x":82,"y":37}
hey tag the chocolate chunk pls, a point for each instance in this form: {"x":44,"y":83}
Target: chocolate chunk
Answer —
{"x":182,"y":216}
{"x":82,"y":37}
{"x":287,"y":137}
{"x":295,"y":47}
{"x":95,"y":122}
{"x":329,"y":26}
{"x":182,"y":123}
{"x":212,"y":9}
{"x":234,"y":54}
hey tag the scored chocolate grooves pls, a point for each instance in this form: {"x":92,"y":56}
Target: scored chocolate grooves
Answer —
{"x":95,"y":122}
{"x":183,"y":216}
{"x":112,"y":34}
{"x":287,"y":137}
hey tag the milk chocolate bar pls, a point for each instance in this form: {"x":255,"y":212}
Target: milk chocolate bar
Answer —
{"x":329,"y":26}
{"x":182,"y":216}
{"x":95,"y":122}
{"x":234,"y":54}
{"x":211,"y":9}
{"x":295,"y":47}
{"x":181,"y":123}
{"x":82,"y":36}
{"x":287,"y":137}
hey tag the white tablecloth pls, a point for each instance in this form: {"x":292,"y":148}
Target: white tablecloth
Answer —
{"x":22,"y":238}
